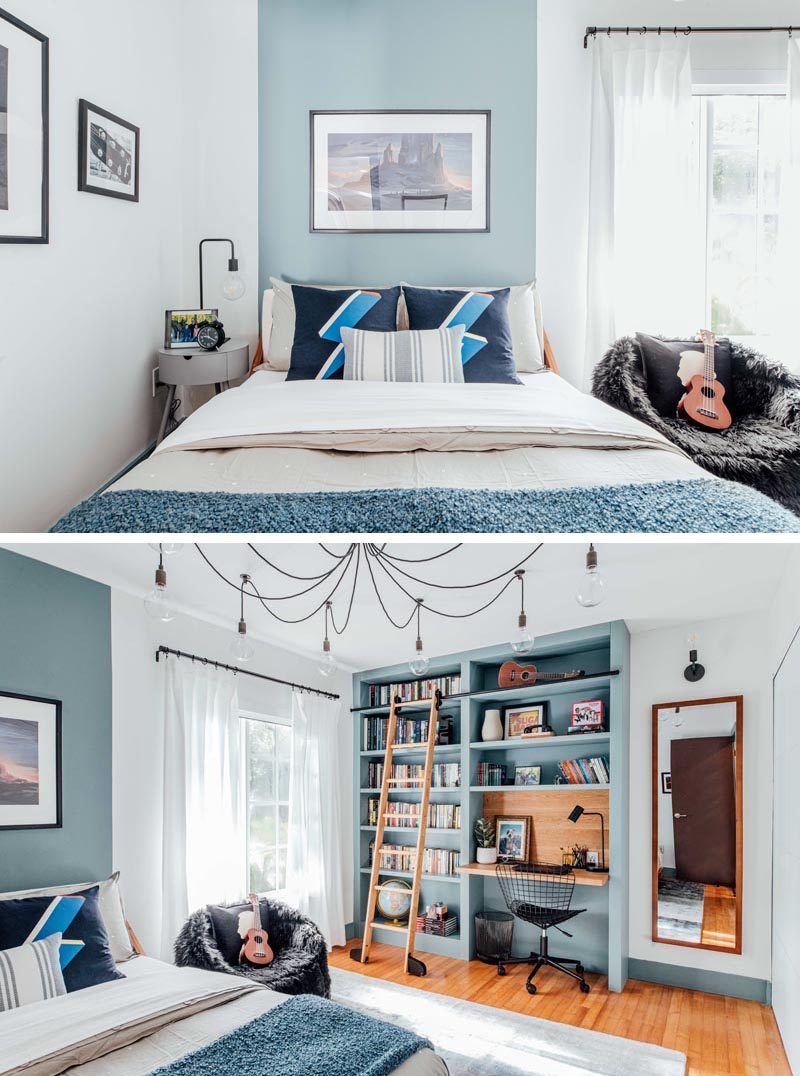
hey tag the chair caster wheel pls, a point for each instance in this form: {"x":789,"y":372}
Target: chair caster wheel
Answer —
{"x":500,"y":969}
{"x":585,"y":988}
{"x":530,"y":988}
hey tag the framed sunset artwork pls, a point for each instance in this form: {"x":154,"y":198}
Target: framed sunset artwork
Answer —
{"x":30,"y":762}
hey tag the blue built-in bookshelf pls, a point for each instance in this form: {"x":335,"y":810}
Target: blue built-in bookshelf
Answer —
{"x":602,"y":652}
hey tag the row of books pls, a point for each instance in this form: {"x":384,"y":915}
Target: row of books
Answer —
{"x":408,"y":730}
{"x":442,"y":928}
{"x":413,"y":690}
{"x":443,"y":775}
{"x":585,"y":771}
{"x":407,"y":815}
{"x":402,"y":857}
{"x":491,"y":773}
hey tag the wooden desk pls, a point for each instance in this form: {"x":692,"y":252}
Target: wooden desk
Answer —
{"x":582,"y":877}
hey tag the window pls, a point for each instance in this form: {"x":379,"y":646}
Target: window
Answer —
{"x":268,"y":754}
{"x":741,"y":142}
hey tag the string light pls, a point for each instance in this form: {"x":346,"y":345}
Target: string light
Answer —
{"x":156,"y":603}
{"x":241,"y":648}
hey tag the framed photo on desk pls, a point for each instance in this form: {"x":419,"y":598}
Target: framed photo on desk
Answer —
{"x":512,"y":836}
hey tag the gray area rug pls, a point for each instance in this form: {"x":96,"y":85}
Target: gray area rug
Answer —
{"x":478,"y":1040}
{"x":680,"y":909}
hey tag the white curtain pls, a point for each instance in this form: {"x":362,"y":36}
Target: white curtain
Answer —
{"x":314,"y":860}
{"x":786,"y":348}
{"x":646,"y":254}
{"x":204,"y":852}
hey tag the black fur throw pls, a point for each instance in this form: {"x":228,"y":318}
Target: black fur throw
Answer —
{"x":301,"y":956}
{"x":761,"y":448}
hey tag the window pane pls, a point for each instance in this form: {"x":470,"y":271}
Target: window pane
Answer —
{"x":262,"y":827}
{"x":283,"y":823}
{"x":735,"y":179}
{"x":269,"y":753}
{"x":284,"y":745}
{"x":735,"y":121}
{"x":262,"y":761}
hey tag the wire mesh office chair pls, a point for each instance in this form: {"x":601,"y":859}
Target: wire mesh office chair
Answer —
{"x":540,"y":894}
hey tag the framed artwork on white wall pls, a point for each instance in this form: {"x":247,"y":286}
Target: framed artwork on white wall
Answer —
{"x":24,"y":121}
{"x":30,"y":762}
{"x":393,"y":171}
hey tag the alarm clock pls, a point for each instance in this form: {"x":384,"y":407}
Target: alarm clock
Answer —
{"x":211,"y":336}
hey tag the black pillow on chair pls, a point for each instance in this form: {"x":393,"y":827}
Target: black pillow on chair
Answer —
{"x":225,"y":928}
{"x":661,"y":360}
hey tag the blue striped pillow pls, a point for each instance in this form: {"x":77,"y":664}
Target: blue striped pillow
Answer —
{"x":433,"y":356}
{"x":31,"y":973}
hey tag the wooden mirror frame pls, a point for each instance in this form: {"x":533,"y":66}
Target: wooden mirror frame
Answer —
{"x":736,"y":949}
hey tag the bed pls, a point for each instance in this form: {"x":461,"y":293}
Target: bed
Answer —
{"x":277,"y":456}
{"x":155,"y":1016}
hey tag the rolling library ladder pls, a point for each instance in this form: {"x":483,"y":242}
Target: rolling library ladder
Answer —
{"x":413,"y":965}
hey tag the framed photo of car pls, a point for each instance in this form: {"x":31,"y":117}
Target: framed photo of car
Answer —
{"x":108,"y":153}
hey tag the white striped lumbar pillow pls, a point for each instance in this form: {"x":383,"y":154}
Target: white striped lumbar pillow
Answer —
{"x":30,"y":973}
{"x":432,"y":355}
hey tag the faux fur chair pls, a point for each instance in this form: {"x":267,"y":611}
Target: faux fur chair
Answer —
{"x":301,"y":957}
{"x":761,"y":448}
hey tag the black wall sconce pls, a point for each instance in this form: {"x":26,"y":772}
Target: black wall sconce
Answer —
{"x":233,"y":287}
{"x":694,"y":671}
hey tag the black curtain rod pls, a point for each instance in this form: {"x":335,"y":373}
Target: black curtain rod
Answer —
{"x":593,"y":31}
{"x":246,"y":672}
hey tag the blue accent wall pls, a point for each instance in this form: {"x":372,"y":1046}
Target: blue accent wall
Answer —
{"x":433,"y":54}
{"x":55,"y":642}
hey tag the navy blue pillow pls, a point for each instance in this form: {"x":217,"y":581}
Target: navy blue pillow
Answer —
{"x":486,"y":350}
{"x":85,"y":954}
{"x":320,"y":315}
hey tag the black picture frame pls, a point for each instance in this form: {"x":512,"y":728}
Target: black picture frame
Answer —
{"x":666,"y":784}
{"x":84,"y":181}
{"x":57,"y":705}
{"x":314,"y":113}
{"x":44,"y":233}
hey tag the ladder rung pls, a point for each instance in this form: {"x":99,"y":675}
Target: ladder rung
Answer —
{"x":405,"y":781}
{"x":378,"y":925}
{"x":388,"y":888}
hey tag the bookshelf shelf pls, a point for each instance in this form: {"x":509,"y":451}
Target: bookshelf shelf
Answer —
{"x":542,"y":692}
{"x":537,"y":788}
{"x":412,"y":829}
{"x":448,"y":879}
{"x":583,"y":739}
{"x":434,"y":789}
{"x":442,"y":751}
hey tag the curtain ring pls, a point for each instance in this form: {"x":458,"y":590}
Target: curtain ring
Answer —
{"x":791,"y":32}
{"x":687,"y":32}
{"x":659,"y":31}
{"x":609,"y":31}
{"x":644,"y":31}
{"x":627,"y":31}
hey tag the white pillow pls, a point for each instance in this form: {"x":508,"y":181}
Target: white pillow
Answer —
{"x":429,"y":355}
{"x":279,"y":337}
{"x":30,"y":973}
{"x":111,"y":909}
{"x":524,"y":318}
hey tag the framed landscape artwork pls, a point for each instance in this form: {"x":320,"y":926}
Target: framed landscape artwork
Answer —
{"x":108,"y":153}
{"x":30,"y":762}
{"x":418,"y":171}
{"x":24,"y":151}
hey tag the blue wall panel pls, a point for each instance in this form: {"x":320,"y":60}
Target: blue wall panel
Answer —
{"x":434,"y":54}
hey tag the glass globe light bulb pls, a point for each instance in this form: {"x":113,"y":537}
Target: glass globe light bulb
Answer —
{"x":167,"y":548}
{"x":327,"y":664}
{"x":241,"y":647}
{"x":233,"y":287}
{"x":420,"y":663}
{"x":157,"y":605}
{"x":591,"y":590}
{"x":521,"y":641}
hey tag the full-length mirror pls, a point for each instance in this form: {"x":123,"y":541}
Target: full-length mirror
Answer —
{"x":697,"y":823}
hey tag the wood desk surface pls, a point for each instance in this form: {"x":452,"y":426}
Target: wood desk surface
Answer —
{"x":582,"y":877}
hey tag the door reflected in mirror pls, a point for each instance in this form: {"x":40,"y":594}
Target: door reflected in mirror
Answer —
{"x":697,"y":823}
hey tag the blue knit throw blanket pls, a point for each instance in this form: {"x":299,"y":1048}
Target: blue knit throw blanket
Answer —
{"x":305,"y":1036}
{"x":705,"y":505}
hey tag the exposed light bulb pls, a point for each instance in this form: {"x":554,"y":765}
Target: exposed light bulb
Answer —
{"x":420,"y":663}
{"x":233,"y":286}
{"x":328,"y":663}
{"x":691,"y":639}
{"x":591,"y":588}
{"x":677,"y":718}
{"x":522,"y":640}
{"x":157,"y":605}
{"x":167,"y":548}
{"x":241,"y":648}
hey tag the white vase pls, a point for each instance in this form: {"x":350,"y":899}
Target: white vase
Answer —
{"x":492,"y":726}
{"x":486,"y":855}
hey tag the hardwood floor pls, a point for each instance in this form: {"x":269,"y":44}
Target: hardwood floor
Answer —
{"x":720,"y":1036}
{"x":719,"y":916}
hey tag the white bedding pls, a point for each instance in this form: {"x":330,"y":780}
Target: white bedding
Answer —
{"x":553,"y":437}
{"x":131,"y":1026}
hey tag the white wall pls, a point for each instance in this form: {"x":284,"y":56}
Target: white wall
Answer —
{"x":83,"y":316}
{"x":138,"y":742}
{"x":564,"y":88}
{"x":736,"y":658}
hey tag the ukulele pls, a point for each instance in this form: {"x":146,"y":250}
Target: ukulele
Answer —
{"x":513,"y":675}
{"x":703,"y":402}
{"x":255,"y":949}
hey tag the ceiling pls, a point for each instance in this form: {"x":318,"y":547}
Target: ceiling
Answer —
{"x":649,"y":584}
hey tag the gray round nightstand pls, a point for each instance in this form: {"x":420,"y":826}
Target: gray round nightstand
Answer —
{"x":193,"y":366}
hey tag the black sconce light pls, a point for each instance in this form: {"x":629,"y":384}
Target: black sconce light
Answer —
{"x":694,"y":671}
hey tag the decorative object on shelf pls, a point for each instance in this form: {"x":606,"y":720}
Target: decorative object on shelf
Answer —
{"x":591,"y":588}
{"x":399,"y":171}
{"x":575,"y":815}
{"x":419,"y":663}
{"x":394,"y":900}
{"x":522,"y":640}
{"x":592,"y":859}
{"x":579,"y":856}
{"x":30,"y":762}
{"x":666,"y":784}
{"x":156,"y":604}
{"x":587,"y":714}
{"x":182,"y":327}
{"x":511,"y":674}
{"x":694,"y":671}
{"x":540,"y":732}
{"x":211,"y":337}
{"x":233,"y":287}
{"x":108,"y":153}
{"x":444,"y":732}
{"x":492,"y":728}
{"x":512,"y":839}
{"x":24,"y":122}
{"x":528,"y":775}
{"x":241,"y":648}
{"x":328,"y":663}
{"x":520,"y":720}
{"x":485,"y":835}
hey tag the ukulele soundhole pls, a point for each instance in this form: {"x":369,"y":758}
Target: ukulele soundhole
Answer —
{"x":707,"y":391}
